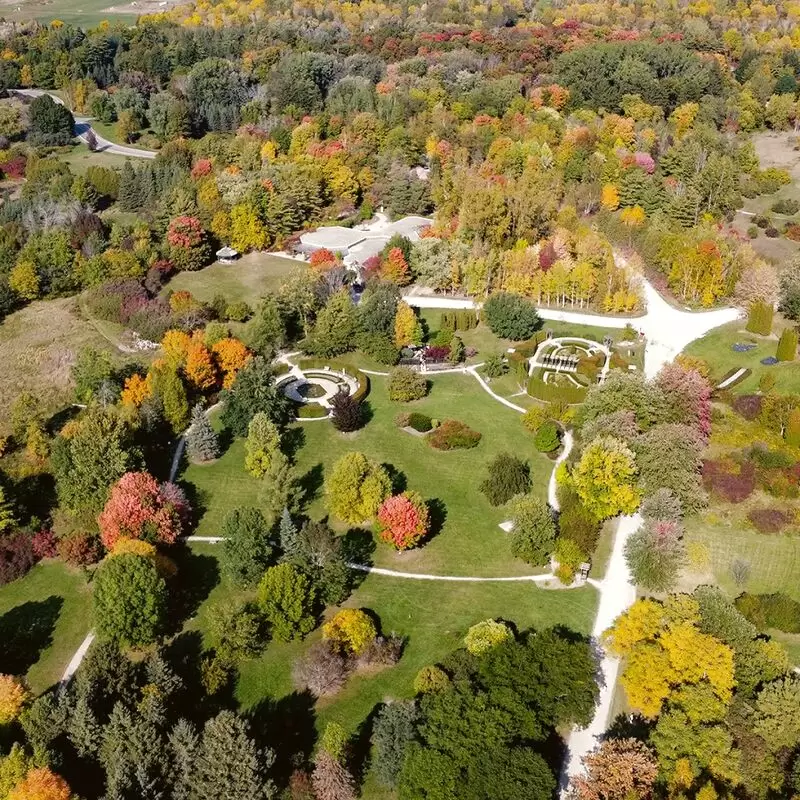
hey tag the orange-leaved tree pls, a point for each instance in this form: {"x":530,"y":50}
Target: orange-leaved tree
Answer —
{"x":41,"y":784}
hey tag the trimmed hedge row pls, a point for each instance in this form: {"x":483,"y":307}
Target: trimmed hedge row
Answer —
{"x":311,"y":411}
{"x":551,"y":393}
{"x":459,"y":320}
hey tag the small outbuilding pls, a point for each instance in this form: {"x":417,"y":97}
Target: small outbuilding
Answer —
{"x":227,"y":255}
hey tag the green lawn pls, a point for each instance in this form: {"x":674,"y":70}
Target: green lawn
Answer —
{"x":715,"y":348}
{"x":80,"y":158}
{"x":468,"y":541}
{"x":44,"y":617}
{"x":434,"y":616}
{"x":774,"y":558}
{"x":251,"y":277}
{"x":86,"y":13}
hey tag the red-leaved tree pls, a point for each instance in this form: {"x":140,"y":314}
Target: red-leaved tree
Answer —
{"x":141,"y":508}
{"x":403,"y":520}
{"x":188,"y":244}
{"x":688,"y":395}
{"x":323,"y":259}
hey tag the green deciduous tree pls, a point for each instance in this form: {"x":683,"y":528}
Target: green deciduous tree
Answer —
{"x":406,"y":384}
{"x":94,"y":457}
{"x":511,"y":316}
{"x":248,"y":547}
{"x":50,"y":123}
{"x":335,"y":328}
{"x":355,"y":487}
{"x":130,"y":599}
{"x":534,"y":531}
{"x":286,"y":598}
{"x":604,"y":478}
{"x":262,"y":443}
{"x":777,"y":713}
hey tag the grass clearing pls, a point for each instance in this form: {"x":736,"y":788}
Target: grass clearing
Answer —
{"x":80,"y":158}
{"x":39,"y":345}
{"x":774,"y":558}
{"x":248,"y":279}
{"x":467,"y":540}
{"x":44,"y":617}
{"x":434,"y":616}
{"x":715,"y":348}
{"x":86,"y":13}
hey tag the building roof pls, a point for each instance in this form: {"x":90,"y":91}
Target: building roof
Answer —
{"x":227,"y":252}
{"x":408,"y":226}
{"x":332,"y":237}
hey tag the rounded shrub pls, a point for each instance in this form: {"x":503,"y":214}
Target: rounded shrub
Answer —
{"x":483,"y":636}
{"x":547,"y":438}
{"x":507,"y":476}
{"x":406,"y":385}
{"x":511,"y":316}
{"x":453,"y":435}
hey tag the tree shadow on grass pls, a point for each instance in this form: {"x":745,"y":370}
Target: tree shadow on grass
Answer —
{"x":310,"y":483}
{"x":197,"y":576}
{"x":293,"y":440}
{"x":35,"y":497}
{"x":367,"y":413}
{"x":360,"y":746}
{"x":358,"y":545}
{"x":287,"y":726}
{"x":398,"y":479}
{"x":25,"y":631}
{"x":438,"y":516}
{"x":197,"y":499}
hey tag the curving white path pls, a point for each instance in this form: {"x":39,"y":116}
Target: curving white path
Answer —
{"x":668,"y":330}
{"x":83,"y":127}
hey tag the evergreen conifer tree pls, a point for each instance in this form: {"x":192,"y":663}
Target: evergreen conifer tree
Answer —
{"x":6,"y":513}
{"x":129,"y":188}
{"x":183,"y":745}
{"x":202,"y":438}
{"x":787,"y":345}
{"x":287,"y":531}
{"x":228,"y":763}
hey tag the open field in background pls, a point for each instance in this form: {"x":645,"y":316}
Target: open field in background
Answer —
{"x":468,"y":540}
{"x":44,"y":617}
{"x":248,"y":279}
{"x":773,"y":150}
{"x":774,"y":558}
{"x":433,"y":615}
{"x":84,"y":13}
{"x":38,"y":346}
{"x":715,"y":348}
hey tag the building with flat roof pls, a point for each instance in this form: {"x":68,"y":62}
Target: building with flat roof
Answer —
{"x":357,"y":245}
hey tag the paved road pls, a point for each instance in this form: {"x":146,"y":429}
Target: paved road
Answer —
{"x":83,"y":127}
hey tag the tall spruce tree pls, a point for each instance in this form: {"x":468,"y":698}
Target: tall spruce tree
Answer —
{"x":229,"y":764}
{"x":130,"y":195}
{"x":183,"y":746}
{"x":202,"y":438}
{"x":287,"y":531}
